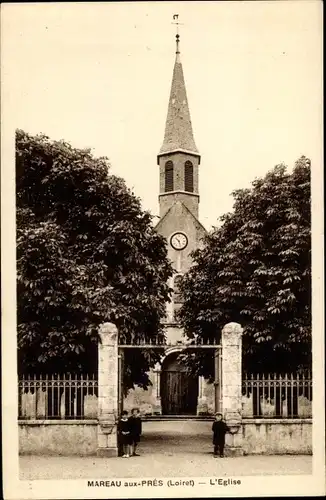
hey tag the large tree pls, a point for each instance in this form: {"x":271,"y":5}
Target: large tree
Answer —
{"x":86,"y":254}
{"x":255,"y":269}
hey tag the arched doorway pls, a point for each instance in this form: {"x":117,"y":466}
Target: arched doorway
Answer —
{"x":179,"y":390}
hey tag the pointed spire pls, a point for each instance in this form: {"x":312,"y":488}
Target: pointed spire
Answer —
{"x":178,"y":129}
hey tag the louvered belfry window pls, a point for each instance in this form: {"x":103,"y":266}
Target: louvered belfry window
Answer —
{"x":169,"y":176}
{"x":189,"y":177}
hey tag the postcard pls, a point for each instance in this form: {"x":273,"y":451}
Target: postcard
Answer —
{"x":162,"y":236}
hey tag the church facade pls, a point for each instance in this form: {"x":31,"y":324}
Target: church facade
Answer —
{"x":173,"y":392}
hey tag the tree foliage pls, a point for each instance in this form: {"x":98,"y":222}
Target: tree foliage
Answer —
{"x":255,"y":269}
{"x":86,"y":254}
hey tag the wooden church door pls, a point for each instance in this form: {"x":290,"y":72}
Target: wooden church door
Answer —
{"x":179,"y":391}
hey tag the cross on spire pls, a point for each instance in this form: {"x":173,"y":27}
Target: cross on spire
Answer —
{"x":177,"y":36}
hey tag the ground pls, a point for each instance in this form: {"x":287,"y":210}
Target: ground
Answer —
{"x":163,"y":454}
{"x":160,"y":465}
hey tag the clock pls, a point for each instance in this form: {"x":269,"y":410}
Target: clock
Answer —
{"x":179,"y":241}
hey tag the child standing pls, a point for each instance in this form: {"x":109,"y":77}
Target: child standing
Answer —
{"x":135,"y":430}
{"x":124,"y":434}
{"x":219,"y":429}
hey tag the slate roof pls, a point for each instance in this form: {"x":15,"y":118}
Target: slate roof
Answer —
{"x":178,"y":129}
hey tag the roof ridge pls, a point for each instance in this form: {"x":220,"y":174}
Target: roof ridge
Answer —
{"x":185,"y":206}
{"x":197,"y":220}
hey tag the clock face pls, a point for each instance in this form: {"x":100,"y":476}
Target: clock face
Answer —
{"x":179,"y":241}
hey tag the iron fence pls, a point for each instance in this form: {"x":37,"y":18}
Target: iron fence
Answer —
{"x":76,"y":397}
{"x":57,"y":397}
{"x":277,"y":396}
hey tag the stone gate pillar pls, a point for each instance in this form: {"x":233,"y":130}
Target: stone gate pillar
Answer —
{"x":232,"y":386}
{"x":107,"y":439}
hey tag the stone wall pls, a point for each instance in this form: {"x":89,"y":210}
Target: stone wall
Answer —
{"x":145,"y":400}
{"x":58,"y":437}
{"x":208,"y":391}
{"x":277,"y":437}
{"x":79,"y":438}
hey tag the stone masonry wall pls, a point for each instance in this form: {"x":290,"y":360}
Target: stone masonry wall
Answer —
{"x":277,"y":437}
{"x":79,"y":438}
{"x":58,"y":437}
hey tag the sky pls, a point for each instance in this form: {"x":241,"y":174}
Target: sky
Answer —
{"x":99,"y":75}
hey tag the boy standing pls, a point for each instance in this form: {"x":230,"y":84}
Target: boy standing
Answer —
{"x":135,"y":430}
{"x":124,"y":434}
{"x":219,"y":429}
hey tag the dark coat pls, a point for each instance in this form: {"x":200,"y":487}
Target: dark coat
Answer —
{"x":124,"y":431}
{"x":135,"y":427}
{"x":219,"y":429}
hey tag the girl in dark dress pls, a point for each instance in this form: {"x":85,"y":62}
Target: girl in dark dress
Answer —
{"x":219,"y":429}
{"x":124,"y":434}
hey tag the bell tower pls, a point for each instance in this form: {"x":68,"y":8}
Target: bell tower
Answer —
{"x":178,"y":223}
{"x":178,"y":158}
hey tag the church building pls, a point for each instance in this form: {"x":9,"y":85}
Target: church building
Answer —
{"x":173,"y":391}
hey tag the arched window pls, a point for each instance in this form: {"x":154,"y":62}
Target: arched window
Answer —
{"x":189,"y":177}
{"x":169,"y":176}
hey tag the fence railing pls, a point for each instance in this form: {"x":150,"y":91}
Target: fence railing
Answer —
{"x":277,"y":396}
{"x":76,"y":397}
{"x":58,"y":397}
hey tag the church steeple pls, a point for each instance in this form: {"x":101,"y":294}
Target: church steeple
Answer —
{"x":178,"y":157}
{"x":178,"y":129}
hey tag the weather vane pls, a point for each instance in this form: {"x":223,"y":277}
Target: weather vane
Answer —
{"x":176,"y":18}
{"x":177,"y":23}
